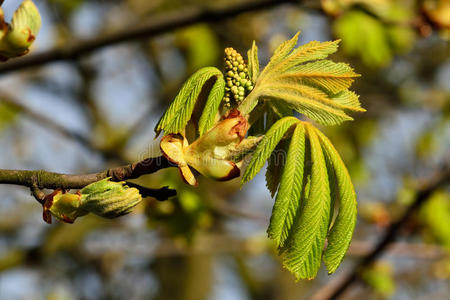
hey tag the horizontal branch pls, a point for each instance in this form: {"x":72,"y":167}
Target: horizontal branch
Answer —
{"x":153,"y":27}
{"x":39,"y":179}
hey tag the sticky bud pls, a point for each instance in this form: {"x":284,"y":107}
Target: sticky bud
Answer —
{"x":104,"y":198}
{"x":209,"y":154}
{"x":17,"y":37}
{"x":109,"y":199}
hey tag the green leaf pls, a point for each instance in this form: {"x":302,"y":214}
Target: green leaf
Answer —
{"x":305,"y":81}
{"x":266,"y":146}
{"x":281,"y":53}
{"x":285,"y":209}
{"x":253,"y":63}
{"x":341,"y":233}
{"x":211,"y":109}
{"x":179,"y":112}
{"x":322,"y":113}
{"x":304,"y":249}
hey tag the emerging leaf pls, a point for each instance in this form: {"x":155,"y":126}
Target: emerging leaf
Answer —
{"x":288,"y":199}
{"x":340,"y":235}
{"x":180,"y":111}
{"x":304,"y":249}
{"x":267,"y":145}
{"x":253,"y":63}
{"x":307,"y":83}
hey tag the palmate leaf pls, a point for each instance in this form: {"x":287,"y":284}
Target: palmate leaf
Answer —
{"x":287,"y":202}
{"x":307,"y":186}
{"x":210,"y":111}
{"x":180,"y":111}
{"x":266,"y":146}
{"x":304,"y":249}
{"x":341,"y":232}
{"x":307,"y":82}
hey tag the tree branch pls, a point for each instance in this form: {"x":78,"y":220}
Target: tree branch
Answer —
{"x":338,"y":288}
{"x":43,"y":179}
{"x":153,"y":27}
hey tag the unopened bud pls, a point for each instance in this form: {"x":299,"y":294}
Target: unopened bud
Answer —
{"x":109,"y":199}
{"x":17,"y":37}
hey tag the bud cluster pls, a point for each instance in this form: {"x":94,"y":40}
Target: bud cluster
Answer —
{"x":238,"y":83}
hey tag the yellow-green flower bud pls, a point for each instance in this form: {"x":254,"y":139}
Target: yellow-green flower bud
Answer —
{"x":64,"y":206}
{"x":16,"y":38}
{"x":109,"y":199}
{"x":236,"y":75}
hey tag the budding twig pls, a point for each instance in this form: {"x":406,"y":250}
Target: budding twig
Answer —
{"x":40,"y":179}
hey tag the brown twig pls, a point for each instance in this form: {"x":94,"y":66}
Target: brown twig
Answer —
{"x":337,"y":288}
{"x":43,"y":179}
{"x":153,"y":27}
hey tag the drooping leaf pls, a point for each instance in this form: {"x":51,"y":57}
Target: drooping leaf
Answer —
{"x":266,"y":146}
{"x":211,"y":109}
{"x":285,"y":209}
{"x":179,"y":112}
{"x":340,"y":235}
{"x":253,"y":63}
{"x":304,"y":249}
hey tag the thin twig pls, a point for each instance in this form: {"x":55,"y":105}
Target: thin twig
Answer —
{"x":44,"y":179}
{"x":160,"y":194}
{"x":154,"y":26}
{"x":337,"y":288}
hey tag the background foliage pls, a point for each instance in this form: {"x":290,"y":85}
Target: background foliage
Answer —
{"x":210,"y":242}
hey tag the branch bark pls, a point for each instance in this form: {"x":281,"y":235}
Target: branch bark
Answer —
{"x":39,"y":179}
{"x":337,"y":289}
{"x":153,"y":27}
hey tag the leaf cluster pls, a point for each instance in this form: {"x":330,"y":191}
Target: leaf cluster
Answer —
{"x":315,"y":202}
{"x":312,"y":182}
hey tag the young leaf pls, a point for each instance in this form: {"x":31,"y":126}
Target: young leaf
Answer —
{"x":211,"y":108}
{"x":286,"y":205}
{"x":340,"y":235}
{"x":253,"y":63}
{"x":281,"y":53}
{"x":307,"y":82}
{"x":179,"y":112}
{"x":304,"y":249}
{"x":266,"y":146}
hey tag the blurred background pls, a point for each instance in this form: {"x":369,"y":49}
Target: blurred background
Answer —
{"x":99,"y":110}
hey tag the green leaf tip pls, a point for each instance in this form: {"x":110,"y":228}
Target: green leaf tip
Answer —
{"x":180,"y":110}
